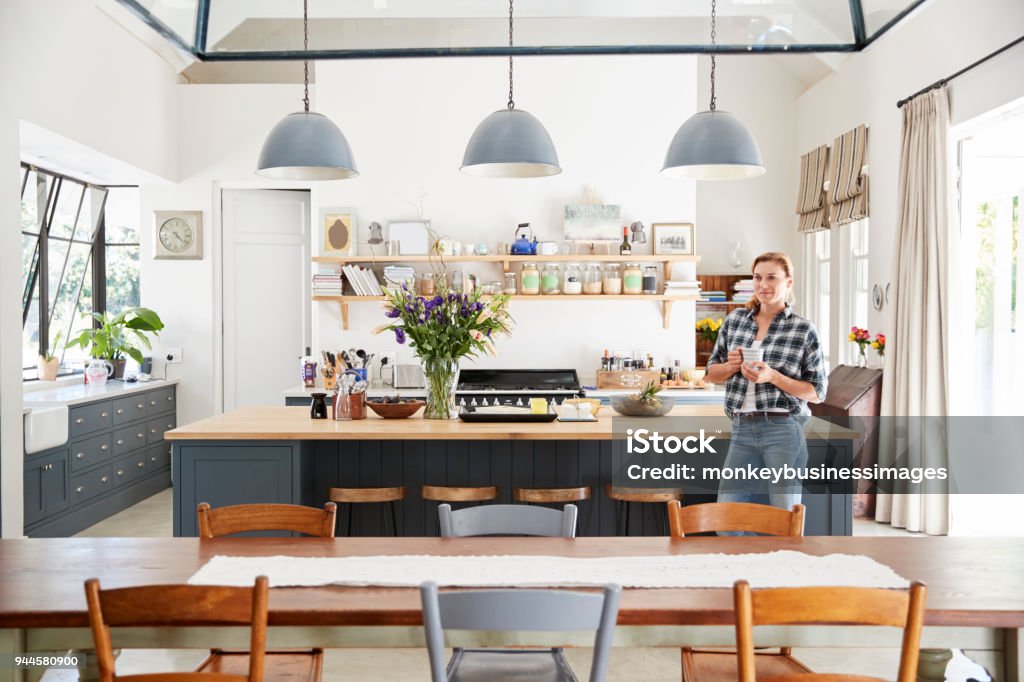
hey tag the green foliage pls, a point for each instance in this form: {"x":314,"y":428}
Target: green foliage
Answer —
{"x":650,"y":393}
{"x":119,"y":335}
{"x":49,"y":356}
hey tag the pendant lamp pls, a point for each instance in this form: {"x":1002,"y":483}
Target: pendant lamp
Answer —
{"x":306,"y":145}
{"x":510,"y":143}
{"x":713,"y":145}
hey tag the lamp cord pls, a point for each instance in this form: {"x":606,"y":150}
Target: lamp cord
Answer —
{"x":305,"y":48}
{"x":511,"y":104}
{"x":713,"y":46}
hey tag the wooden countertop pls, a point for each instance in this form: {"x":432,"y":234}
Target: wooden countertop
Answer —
{"x":294,"y":423}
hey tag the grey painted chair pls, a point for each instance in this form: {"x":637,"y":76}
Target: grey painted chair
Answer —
{"x":507,"y":519}
{"x":516,"y":610}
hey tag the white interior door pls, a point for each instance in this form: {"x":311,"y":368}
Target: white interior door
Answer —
{"x":266,"y":270}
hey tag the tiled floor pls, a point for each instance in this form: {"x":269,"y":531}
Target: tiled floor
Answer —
{"x":152,"y":518}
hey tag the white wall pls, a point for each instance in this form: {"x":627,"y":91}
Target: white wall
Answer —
{"x":943,"y":37}
{"x":67,"y":68}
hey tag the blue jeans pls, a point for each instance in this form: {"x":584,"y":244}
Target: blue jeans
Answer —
{"x":770,"y":442}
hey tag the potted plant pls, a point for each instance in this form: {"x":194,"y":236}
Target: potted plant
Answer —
{"x":46,"y":368}
{"x":118,"y":336}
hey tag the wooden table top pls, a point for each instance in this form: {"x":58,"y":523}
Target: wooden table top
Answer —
{"x":971,"y":581}
{"x":294,"y":423}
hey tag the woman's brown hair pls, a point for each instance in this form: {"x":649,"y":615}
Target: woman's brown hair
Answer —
{"x":778,"y":258}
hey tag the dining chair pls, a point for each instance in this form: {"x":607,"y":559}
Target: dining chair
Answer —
{"x":516,"y":610}
{"x":181,"y":606}
{"x":507,"y":519}
{"x":822,"y":605}
{"x":720,"y":664}
{"x":243,"y":518}
{"x":301,"y":664}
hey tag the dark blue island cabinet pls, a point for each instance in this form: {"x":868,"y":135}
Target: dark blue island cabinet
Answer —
{"x":278,"y":454}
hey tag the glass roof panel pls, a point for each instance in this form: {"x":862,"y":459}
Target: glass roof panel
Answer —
{"x":879,"y":13}
{"x":179,"y":16}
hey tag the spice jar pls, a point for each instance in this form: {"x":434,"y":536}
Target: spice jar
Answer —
{"x":530,"y":280}
{"x":650,"y":283}
{"x":632,"y":279}
{"x":592,"y":279}
{"x":550,"y":279}
{"x":612,"y":282}
{"x":427,"y":284}
{"x":572,"y":282}
{"x":510,"y":283}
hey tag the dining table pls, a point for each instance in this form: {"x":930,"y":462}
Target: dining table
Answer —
{"x":975,"y":595}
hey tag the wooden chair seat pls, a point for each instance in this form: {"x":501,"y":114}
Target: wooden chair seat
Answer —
{"x":723,"y":666}
{"x":244,"y":518}
{"x":279,"y":666}
{"x":621,"y":494}
{"x":367,"y":495}
{"x":448,"y":493}
{"x":551,"y":495}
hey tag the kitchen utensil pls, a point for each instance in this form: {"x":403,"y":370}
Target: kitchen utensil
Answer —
{"x":395,"y":410}
{"x":522,"y":246}
{"x":361,"y":354}
{"x":318,"y":408}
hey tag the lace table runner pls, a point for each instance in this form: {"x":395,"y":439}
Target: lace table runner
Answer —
{"x":784,"y":568}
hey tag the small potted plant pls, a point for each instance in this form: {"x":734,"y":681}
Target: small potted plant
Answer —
{"x":118,"y":336}
{"x":48,"y":364}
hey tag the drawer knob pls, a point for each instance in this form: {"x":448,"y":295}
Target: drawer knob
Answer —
{"x":120,"y":411}
{"x":141,"y":405}
{"x":152,"y":402}
{"x":104,"y":414}
{"x":120,"y":472}
{"x":79,"y":420}
{"x":170,"y":397}
{"x":140,"y":464}
{"x":104,"y":479}
{"x":152,"y":458}
{"x":120,"y":441}
{"x":140,"y":435}
{"x":80,"y":489}
{"x":170,"y":426}
{"x":152,"y":430}
{"x":79,"y":455}
{"x":103,"y":447}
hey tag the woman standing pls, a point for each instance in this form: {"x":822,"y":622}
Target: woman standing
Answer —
{"x":767,"y":400}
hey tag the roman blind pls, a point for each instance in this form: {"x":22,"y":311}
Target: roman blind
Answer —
{"x":811,"y":200}
{"x":848,"y":193}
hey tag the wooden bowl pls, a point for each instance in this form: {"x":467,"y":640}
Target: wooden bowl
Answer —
{"x":396,"y":410}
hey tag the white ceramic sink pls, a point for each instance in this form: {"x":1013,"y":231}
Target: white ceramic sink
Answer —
{"x":45,"y":428}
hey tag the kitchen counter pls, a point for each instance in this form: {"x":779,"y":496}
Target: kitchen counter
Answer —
{"x":78,"y":393}
{"x":682,"y":395}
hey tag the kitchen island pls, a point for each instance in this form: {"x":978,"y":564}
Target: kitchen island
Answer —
{"x":279,"y":454}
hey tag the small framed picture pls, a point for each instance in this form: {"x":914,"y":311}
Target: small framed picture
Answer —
{"x":673,"y":239}
{"x":338,"y":231}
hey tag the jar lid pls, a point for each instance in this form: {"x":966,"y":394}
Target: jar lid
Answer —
{"x":632,"y":265}
{"x":614,"y":265}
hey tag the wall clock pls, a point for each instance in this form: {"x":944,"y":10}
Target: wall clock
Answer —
{"x":178,"y":234}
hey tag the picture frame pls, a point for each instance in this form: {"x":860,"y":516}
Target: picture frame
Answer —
{"x":413,"y":236}
{"x":592,"y":223}
{"x":178,"y":235}
{"x":674,"y":239}
{"x":338,"y":229}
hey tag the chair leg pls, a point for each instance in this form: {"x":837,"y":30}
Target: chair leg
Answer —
{"x":625,"y":516}
{"x":351,"y":511}
{"x":394,"y":519}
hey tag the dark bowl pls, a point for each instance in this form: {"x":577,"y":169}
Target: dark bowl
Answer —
{"x":396,"y":410}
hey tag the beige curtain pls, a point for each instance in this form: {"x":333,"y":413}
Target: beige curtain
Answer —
{"x":848,"y":193}
{"x":811,"y":200}
{"x":918,"y":346}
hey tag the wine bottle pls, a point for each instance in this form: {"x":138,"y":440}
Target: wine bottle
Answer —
{"x":624,"y":247}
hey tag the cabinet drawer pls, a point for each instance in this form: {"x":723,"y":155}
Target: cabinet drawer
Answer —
{"x":130,"y":408}
{"x":129,"y":438}
{"x":161,"y":401}
{"x":86,"y":453}
{"x":90,"y":484}
{"x":89,"y":418}
{"x":155,"y":428}
{"x":130,"y":468}
{"x":158,"y":457}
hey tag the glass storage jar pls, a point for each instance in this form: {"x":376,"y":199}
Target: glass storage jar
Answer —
{"x":572,"y":281}
{"x":427,"y":284}
{"x":612,"y":279}
{"x":592,"y":279}
{"x":511,"y":286}
{"x":650,"y":283}
{"x":550,"y":279}
{"x":530,"y":280}
{"x":632,"y":279}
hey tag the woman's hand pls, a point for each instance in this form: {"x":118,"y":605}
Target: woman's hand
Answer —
{"x":720,"y":371}
{"x":758,"y":372}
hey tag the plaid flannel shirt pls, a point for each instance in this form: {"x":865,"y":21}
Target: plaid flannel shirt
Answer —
{"x":791,"y":347}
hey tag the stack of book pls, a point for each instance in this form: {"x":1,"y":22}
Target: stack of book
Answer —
{"x":712,"y":296}
{"x":327,"y":283}
{"x":744,"y":290}
{"x":682,"y":288}
{"x":362,"y":281}
{"x":397,"y":275}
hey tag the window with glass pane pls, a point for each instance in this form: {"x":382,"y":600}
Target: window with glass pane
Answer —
{"x":823,"y":292}
{"x":859,"y":286}
{"x":121,"y":224}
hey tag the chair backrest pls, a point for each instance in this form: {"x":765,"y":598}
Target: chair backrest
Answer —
{"x":178,"y":606}
{"x":829,"y":605}
{"x":507,"y":519}
{"x":242,"y":518}
{"x":519,"y":609}
{"x":734,"y":516}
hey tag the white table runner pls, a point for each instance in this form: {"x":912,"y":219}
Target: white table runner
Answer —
{"x":782,"y":568}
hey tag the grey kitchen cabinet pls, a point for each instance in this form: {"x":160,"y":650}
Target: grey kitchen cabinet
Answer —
{"x":115,"y":458}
